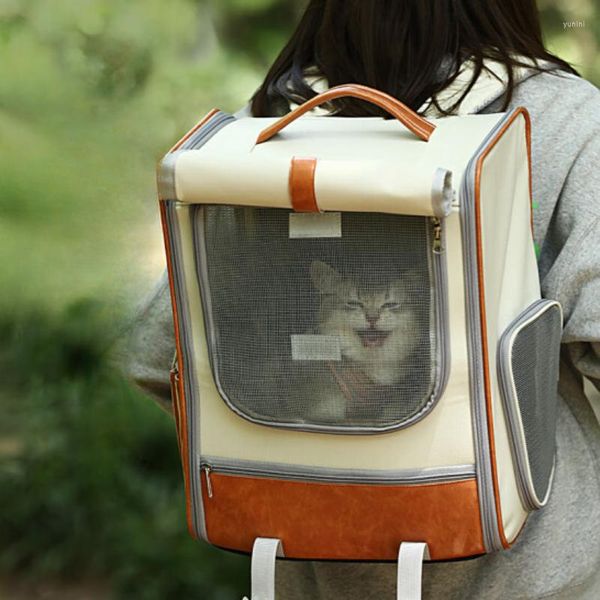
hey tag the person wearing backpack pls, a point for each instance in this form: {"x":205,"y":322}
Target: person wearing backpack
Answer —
{"x":461,"y":57}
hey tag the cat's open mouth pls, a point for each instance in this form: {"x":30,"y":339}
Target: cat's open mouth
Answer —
{"x":372,"y":338}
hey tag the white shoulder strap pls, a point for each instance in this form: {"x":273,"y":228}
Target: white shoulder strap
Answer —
{"x":264,"y":556}
{"x":410,"y":570}
{"x":266,"y":551}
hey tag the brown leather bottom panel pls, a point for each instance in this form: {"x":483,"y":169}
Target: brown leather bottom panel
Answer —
{"x":321,"y":521}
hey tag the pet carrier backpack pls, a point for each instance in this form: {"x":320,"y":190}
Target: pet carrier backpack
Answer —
{"x":365,"y":368}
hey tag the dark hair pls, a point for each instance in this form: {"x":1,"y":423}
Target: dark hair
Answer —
{"x":411,"y":49}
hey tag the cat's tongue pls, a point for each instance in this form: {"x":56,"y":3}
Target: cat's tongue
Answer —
{"x":372,"y":338}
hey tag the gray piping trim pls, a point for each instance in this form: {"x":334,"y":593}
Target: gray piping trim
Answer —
{"x":207,"y":131}
{"x":511,"y":402}
{"x":439,"y":273}
{"x":440,"y":266}
{"x":165,"y":177}
{"x":201,"y":136}
{"x":189,"y":379}
{"x":331,"y":475}
{"x":442,"y":193}
{"x":485,"y":483}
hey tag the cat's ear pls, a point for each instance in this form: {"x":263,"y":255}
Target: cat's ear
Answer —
{"x":325,"y":279}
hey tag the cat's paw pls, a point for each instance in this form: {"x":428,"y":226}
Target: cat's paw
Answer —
{"x":328,"y":410}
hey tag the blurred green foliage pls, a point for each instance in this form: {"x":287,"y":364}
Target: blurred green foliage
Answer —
{"x":91,"y":486}
{"x":92,"y":93}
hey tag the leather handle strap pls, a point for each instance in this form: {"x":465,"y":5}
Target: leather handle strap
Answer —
{"x":421,"y":127}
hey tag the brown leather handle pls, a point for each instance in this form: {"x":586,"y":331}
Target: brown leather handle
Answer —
{"x":421,"y":127}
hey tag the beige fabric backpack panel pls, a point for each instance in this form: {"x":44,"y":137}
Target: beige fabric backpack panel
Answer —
{"x":364,"y":359}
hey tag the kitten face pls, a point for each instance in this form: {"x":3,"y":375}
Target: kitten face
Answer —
{"x":374,"y":325}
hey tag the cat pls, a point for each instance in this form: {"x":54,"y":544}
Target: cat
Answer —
{"x":375,"y":329}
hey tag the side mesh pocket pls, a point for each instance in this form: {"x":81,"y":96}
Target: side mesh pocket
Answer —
{"x":528,"y":362}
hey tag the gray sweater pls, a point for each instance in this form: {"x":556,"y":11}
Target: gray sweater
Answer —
{"x":558,"y":553}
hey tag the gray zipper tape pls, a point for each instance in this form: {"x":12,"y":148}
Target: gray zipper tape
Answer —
{"x":485,"y":483}
{"x":329,"y":475}
{"x":189,"y":379}
{"x":217,"y":122}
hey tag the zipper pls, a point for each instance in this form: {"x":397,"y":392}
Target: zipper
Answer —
{"x":175,"y":375}
{"x":437,"y":235}
{"x":305,"y":474}
{"x":482,"y":445}
{"x":174,"y":381}
{"x":440,"y":275}
{"x":207,"y":471}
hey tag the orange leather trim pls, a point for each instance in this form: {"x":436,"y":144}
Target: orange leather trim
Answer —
{"x":421,"y":127}
{"x":320,"y":521}
{"x":484,"y":340}
{"x":302,"y":184}
{"x":181,"y":425}
{"x":211,"y":114}
{"x":527,"y":117}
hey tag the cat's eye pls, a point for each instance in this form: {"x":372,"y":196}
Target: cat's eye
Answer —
{"x":353,"y":304}
{"x":391,"y":306}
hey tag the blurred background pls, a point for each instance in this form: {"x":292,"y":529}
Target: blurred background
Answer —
{"x":92,"y":94}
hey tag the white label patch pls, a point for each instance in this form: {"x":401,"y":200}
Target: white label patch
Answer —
{"x":315,"y":225}
{"x":316,"y":347}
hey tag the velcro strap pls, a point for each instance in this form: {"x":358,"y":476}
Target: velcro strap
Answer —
{"x":302,"y":184}
{"x":410,"y":570}
{"x":264,"y":555}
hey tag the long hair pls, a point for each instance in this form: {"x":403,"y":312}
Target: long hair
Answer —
{"x":411,"y":49}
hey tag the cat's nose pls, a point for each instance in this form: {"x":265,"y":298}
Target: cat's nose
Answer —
{"x":372,"y":319}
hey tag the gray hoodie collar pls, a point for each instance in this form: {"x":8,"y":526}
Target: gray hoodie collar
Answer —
{"x":490,"y":85}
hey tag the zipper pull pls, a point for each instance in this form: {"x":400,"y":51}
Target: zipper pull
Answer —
{"x":209,"y":489}
{"x":437,"y":236}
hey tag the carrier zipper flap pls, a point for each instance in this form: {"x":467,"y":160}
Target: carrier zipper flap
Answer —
{"x":436,"y":257}
{"x":310,"y":474}
{"x":514,"y":405}
{"x":348,"y":185}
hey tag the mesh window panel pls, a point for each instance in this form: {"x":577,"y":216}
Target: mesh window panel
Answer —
{"x":321,"y":332}
{"x":535,"y":363}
